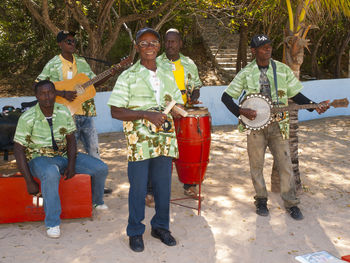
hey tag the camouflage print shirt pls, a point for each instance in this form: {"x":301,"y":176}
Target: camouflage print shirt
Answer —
{"x":34,"y":133}
{"x":53,"y":71}
{"x":248,"y":80}
{"x":133,"y":91}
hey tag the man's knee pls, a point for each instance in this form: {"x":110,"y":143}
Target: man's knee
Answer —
{"x":50,"y":176}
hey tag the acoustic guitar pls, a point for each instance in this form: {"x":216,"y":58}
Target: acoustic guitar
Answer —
{"x":266,"y":112}
{"x":84,"y":86}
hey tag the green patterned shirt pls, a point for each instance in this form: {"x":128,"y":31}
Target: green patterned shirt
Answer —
{"x":248,"y":80}
{"x":191,"y":72}
{"x":53,"y":71}
{"x":34,"y":133}
{"x":133,"y":91}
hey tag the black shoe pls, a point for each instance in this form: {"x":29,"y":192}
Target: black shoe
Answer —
{"x":107,"y":190}
{"x":295,"y":213}
{"x":136,"y":243}
{"x":261,"y":206}
{"x":164,"y":235}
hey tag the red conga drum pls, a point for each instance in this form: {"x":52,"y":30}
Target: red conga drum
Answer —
{"x":193,"y":137}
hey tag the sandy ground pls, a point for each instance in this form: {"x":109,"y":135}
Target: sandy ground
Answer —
{"x":228,"y":229}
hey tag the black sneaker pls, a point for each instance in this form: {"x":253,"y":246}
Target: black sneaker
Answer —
{"x":295,"y":213}
{"x":164,"y":235}
{"x":136,"y":243}
{"x":261,"y":206}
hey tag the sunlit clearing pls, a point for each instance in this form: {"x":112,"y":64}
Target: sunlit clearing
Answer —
{"x":223,"y":201}
{"x":240,"y":193}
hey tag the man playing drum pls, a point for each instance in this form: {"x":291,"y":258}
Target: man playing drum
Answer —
{"x":187,"y":80}
{"x":138,"y":92}
{"x":258,"y":77}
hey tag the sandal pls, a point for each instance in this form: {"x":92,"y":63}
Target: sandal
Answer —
{"x":192,"y":192}
{"x":149,"y":200}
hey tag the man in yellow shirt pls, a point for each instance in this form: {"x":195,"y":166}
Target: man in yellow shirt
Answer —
{"x":187,"y":79}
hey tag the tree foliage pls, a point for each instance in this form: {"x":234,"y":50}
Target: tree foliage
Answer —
{"x":28,"y":28}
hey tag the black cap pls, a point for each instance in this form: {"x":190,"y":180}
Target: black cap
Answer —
{"x":259,"y":40}
{"x":146,"y":30}
{"x":62,"y":35}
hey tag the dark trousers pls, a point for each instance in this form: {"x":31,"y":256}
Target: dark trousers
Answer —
{"x":158,"y":170}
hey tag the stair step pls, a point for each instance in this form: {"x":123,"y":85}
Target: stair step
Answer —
{"x":226,"y":50}
{"x":222,"y":44}
{"x":226,"y":64}
{"x":229,"y":69}
{"x":223,"y":60}
{"x":228,"y":55}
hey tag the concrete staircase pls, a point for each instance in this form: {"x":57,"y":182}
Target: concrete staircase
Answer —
{"x":221,"y":45}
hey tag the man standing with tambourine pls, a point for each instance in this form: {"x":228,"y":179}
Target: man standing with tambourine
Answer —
{"x":276,"y":82}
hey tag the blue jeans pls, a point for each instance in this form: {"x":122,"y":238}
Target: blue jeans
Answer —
{"x":49,"y":169}
{"x":87,"y":134}
{"x":159,"y":171}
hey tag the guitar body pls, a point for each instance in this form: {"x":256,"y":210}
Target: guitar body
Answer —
{"x":262,"y":105}
{"x":83,"y":94}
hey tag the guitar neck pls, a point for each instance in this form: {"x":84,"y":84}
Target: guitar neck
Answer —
{"x":295,"y":107}
{"x":97,"y":78}
{"x":335,"y":103}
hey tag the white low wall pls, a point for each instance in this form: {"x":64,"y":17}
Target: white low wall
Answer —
{"x":317,"y":90}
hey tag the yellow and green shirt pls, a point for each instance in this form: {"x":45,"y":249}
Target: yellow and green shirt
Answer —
{"x":34,"y":133}
{"x":185,"y":72}
{"x":57,"y":69}
{"x":133,"y":90}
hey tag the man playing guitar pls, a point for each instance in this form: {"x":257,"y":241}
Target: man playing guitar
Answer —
{"x":65,"y":67}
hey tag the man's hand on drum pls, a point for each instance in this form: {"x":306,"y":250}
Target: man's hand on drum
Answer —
{"x":157,"y":118}
{"x":324,"y":105}
{"x":193,"y":99}
{"x":175,"y":113}
{"x":248,"y":113}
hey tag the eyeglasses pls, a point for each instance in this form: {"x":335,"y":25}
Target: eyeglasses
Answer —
{"x":70,"y":41}
{"x":145,"y":44}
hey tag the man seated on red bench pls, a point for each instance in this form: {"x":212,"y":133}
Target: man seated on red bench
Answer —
{"x":45,"y":148}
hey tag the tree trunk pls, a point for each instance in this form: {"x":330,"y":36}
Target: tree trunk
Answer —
{"x":314,"y":63}
{"x":294,"y":54}
{"x":293,"y":144}
{"x":349,"y":66}
{"x":241,"y":61}
{"x":342,"y":48}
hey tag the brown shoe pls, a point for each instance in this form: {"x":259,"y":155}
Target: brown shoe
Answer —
{"x":192,"y":192}
{"x":149,"y":200}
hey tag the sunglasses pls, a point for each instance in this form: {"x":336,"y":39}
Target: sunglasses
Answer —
{"x":145,"y":44}
{"x":70,"y":41}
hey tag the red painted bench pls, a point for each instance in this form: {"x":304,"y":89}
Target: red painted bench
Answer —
{"x":16,"y":205}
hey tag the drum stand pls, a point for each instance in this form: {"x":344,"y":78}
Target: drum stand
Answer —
{"x":173,"y":201}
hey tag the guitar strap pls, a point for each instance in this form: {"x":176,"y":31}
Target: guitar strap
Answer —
{"x":273,"y":63}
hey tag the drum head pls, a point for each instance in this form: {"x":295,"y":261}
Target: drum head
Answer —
{"x":197,"y":111}
{"x":263,"y":111}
